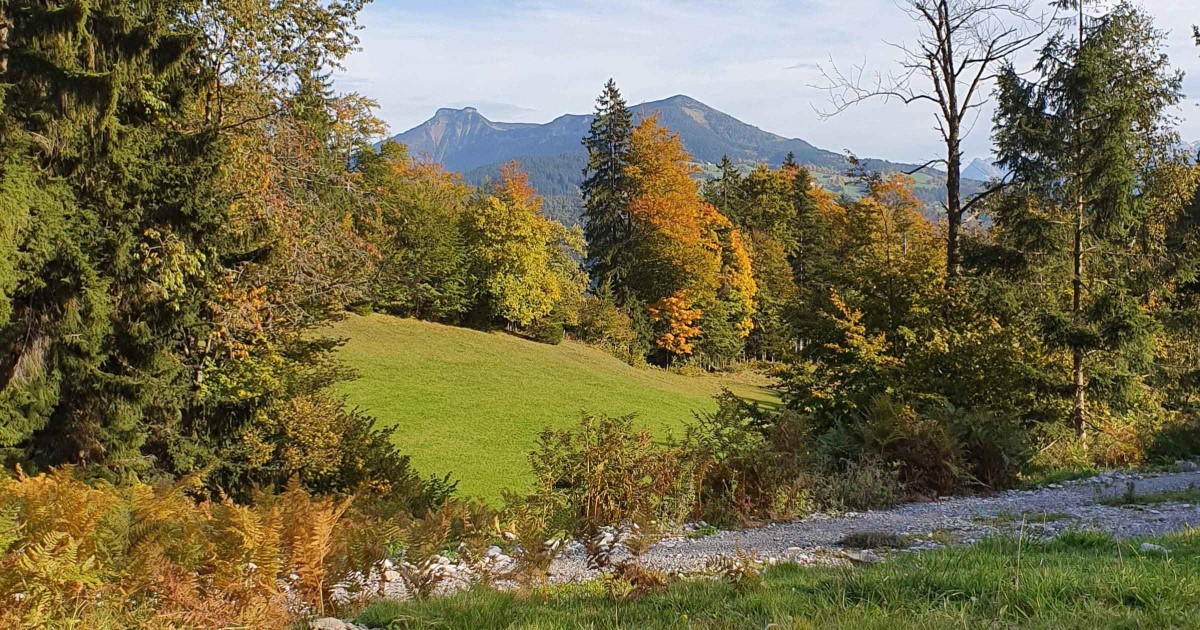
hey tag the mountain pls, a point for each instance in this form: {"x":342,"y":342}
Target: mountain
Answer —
{"x":1192,"y":148}
{"x":462,"y":139}
{"x":983,"y":170}
{"x":552,"y":153}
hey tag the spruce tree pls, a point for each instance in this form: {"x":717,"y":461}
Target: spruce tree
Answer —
{"x":608,"y":225}
{"x":1080,"y":137}
{"x":725,"y":192}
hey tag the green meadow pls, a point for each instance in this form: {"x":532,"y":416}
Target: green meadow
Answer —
{"x":472,"y":403}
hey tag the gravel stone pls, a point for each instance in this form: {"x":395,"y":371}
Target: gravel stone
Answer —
{"x":1044,"y":512}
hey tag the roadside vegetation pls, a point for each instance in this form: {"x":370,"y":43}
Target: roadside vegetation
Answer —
{"x":1131,"y":497}
{"x":1074,"y":581}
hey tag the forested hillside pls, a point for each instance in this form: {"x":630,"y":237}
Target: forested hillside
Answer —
{"x":190,"y":213}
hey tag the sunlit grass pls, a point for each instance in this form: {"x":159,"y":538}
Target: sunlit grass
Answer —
{"x":1080,"y":580}
{"x":472,"y":403}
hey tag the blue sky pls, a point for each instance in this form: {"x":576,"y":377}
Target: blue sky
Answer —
{"x":532,"y":60}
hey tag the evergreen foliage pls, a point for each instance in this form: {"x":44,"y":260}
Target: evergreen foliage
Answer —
{"x":606,"y":190}
{"x":1083,"y":139}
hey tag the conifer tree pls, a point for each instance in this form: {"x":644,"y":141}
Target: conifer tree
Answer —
{"x":608,"y":225}
{"x":1081,"y":137}
{"x":725,"y":191}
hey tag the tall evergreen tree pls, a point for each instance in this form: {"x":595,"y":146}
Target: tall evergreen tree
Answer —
{"x":725,"y":191}
{"x":1080,"y":138}
{"x":608,"y":225}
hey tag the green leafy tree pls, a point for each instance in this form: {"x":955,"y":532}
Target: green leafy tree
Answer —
{"x":415,"y":218}
{"x":520,"y":276}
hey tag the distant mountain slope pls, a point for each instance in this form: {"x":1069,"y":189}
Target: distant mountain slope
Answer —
{"x":553,"y":154}
{"x":983,"y":170}
{"x":462,"y":139}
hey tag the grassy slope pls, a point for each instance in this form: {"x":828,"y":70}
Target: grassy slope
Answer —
{"x":472,"y":403}
{"x":1077,"y":581}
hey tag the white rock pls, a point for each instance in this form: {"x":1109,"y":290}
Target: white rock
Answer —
{"x":866,"y":556}
{"x":1152,"y":548}
{"x":329,"y":623}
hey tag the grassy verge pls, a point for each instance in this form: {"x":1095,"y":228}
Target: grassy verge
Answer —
{"x":1075,"y":581}
{"x":1189,"y":495}
{"x":473,"y":403}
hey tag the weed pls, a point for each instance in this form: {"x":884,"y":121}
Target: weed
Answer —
{"x":874,"y":540}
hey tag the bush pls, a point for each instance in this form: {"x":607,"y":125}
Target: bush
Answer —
{"x":548,"y":330}
{"x":318,"y":441}
{"x":1179,"y":440}
{"x":926,"y":452}
{"x":602,"y":323}
{"x":868,"y":483}
{"x":606,"y":473}
{"x":74,"y":554}
{"x":754,"y":464}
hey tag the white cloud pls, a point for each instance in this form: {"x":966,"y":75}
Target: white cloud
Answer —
{"x":534,"y":60}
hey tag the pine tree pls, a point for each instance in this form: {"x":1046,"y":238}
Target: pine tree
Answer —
{"x":1080,"y":138}
{"x":608,"y":225}
{"x":725,"y":192}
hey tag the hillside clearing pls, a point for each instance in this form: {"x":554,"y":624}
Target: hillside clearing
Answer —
{"x":472,"y":403}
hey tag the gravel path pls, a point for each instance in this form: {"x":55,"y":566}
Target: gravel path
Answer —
{"x":1046,"y":511}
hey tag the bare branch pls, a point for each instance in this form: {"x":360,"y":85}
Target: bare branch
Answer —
{"x":959,"y":47}
{"x":925,"y":166}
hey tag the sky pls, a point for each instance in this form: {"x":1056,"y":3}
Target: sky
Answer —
{"x":757,"y":60}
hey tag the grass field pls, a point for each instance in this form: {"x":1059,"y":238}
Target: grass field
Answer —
{"x":1080,"y":580}
{"x":472,"y":403}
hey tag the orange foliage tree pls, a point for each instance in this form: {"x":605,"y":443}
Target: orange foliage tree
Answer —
{"x":686,"y":252}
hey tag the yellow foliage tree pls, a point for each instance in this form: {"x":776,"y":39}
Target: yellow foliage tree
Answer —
{"x":679,"y":316}
{"x":512,"y":244}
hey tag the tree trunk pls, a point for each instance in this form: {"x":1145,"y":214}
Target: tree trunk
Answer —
{"x":1079,"y":408}
{"x":953,"y":206}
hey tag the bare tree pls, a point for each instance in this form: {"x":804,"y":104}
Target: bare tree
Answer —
{"x":960,"y":47}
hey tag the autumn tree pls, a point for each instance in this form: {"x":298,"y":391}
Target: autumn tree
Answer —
{"x":683,"y":247}
{"x":175,"y":181}
{"x":520,"y":279}
{"x":415,"y":219}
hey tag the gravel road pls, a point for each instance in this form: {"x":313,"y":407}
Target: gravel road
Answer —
{"x":1042,"y":512}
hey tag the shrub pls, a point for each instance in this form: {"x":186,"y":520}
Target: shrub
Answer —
{"x":755,"y":465}
{"x":605,"y":473}
{"x":319,"y":441}
{"x":873,"y":540}
{"x":604,"y":324}
{"x":548,"y":330}
{"x":926,"y":452}
{"x":867,"y":483}
{"x":104,"y":556}
{"x":1177,"y":440}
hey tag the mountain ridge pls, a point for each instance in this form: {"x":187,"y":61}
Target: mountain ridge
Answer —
{"x":463,"y":139}
{"x":467,"y":142}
